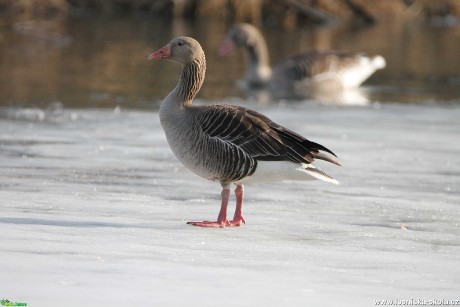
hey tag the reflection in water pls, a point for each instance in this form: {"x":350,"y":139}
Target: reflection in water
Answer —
{"x":97,"y":62}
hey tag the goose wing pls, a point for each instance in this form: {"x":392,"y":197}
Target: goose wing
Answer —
{"x":311,"y":64}
{"x":258,"y":136}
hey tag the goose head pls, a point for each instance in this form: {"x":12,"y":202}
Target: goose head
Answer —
{"x":181,"y":50}
{"x":241,"y":35}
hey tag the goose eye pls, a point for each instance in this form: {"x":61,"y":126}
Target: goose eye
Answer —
{"x":180,"y":43}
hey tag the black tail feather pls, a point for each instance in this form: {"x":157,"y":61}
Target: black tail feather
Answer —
{"x":315,"y":151}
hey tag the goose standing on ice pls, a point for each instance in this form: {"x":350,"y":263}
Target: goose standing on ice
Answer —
{"x":230,"y":144}
{"x":320,"y":71}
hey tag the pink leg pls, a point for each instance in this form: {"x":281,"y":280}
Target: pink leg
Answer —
{"x":238,"y":217}
{"x":222,"y":218}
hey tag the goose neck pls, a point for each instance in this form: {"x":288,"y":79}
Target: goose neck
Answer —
{"x":258,"y":52}
{"x":191,"y":80}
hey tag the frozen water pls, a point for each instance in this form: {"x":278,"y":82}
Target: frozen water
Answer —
{"x":93,"y":210}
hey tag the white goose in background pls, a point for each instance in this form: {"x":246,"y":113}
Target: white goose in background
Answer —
{"x":230,"y":144}
{"x":318,"y":72}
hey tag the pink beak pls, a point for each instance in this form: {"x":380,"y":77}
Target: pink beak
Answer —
{"x":227,"y":48}
{"x":163,"y":53}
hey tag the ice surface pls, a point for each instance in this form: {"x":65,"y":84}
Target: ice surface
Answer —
{"x":93,"y":211}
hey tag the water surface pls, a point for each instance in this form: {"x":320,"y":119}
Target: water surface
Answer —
{"x":101,"y":62}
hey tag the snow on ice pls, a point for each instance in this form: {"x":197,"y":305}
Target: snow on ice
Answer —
{"x":94,"y":205}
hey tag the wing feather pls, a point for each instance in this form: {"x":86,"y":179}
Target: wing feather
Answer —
{"x":257,"y":136}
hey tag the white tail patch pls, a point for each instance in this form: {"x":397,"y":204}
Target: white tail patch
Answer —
{"x":379,"y":62}
{"x":274,"y":171}
{"x":317,"y":173}
{"x":355,"y":75}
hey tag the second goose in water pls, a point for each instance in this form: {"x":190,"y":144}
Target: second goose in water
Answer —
{"x":319,"y":70}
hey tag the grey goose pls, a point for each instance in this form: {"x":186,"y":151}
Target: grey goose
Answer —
{"x":226,"y":143}
{"x":316,"y":70}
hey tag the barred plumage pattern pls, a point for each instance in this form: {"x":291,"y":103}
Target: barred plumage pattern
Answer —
{"x":192,"y":78}
{"x":235,"y":138}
